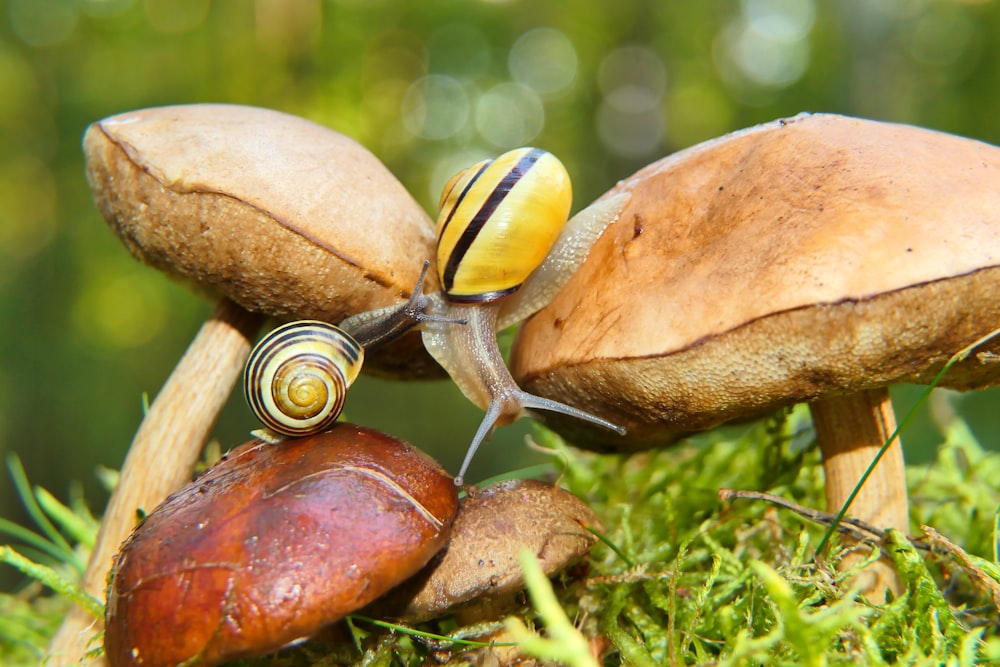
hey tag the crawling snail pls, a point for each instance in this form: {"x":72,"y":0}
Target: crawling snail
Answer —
{"x":505,"y":249}
{"x":297,"y":376}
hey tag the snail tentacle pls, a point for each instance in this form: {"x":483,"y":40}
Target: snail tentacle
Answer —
{"x":504,"y":250}
{"x":374,"y":328}
{"x":472,"y":358}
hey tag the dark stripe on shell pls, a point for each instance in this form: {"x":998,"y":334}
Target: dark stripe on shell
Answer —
{"x":461,"y":197}
{"x":475,"y":226}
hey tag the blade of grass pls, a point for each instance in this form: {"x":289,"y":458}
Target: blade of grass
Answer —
{"x":566,"y":645}
{"x":49,"y":577}
{"x":406,"y":630}
{"x":629,"y":562}
{"x":33,"y":539}
{"x":35,"y":511}
{"x":74,"y":526}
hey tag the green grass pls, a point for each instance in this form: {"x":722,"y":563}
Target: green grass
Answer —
{"x":684,"y":578}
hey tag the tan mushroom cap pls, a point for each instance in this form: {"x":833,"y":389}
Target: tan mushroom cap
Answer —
{"x":480,"y":566}
{"x":281,"y":215}
{"x":810,"y":256}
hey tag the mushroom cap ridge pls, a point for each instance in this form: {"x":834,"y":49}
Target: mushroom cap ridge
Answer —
{"x":282,"y":215}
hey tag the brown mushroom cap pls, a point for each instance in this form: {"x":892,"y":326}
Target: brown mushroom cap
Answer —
{"x":283,"y":216}
{"x":481,"y":561}
{"x":806,"y":257}
{"x":273,"y":543}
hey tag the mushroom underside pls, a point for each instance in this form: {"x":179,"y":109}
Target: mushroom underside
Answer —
{"x":782,"y":359}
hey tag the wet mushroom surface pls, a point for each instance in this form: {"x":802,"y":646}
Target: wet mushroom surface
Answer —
{"x":272,"y":543}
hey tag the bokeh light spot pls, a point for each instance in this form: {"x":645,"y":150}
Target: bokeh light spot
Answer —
{"x":28,"y":196}
{"x":394,"y":54}
{"x":783,"y":20}
{"x":632,"y":78}
{"x":543,"y":59}
{"x":172,"y":17}
{"x":123,"y":311}
{"x":435,"y":107}
{"x":509,"y":114}
{"x":760,"y":53}
{"x":104,"y":8}
{"x":43,"y":22}
{"x":941,"y":36}
{"x":18,"y":81}
{"x":697,"y":110}
{"x":629,"y":134}
{"x":459,"y":49}
{"x":288,"y":27}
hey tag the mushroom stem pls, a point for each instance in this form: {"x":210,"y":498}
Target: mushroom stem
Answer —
{"x":850,"y":430}
{"x":162,"y":457}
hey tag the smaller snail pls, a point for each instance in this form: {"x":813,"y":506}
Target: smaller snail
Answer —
{"x":504,"y":249}
{"x":297,"y":376}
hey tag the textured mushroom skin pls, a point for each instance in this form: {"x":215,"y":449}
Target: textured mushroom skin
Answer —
{"x":771,"y":266}
{"x":282,"y":215}
{"x":272,"y":543}
{"x":481,"y":561}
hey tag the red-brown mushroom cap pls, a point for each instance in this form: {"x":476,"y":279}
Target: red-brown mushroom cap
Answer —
{"x":806,"y":257}
{"x":273,"y":543}
{"x":283,"y":216}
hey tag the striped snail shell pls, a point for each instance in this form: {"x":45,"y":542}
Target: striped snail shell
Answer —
{"x":498,"y":220}
{"x":503,"y":228}
{"x":297,"y":376}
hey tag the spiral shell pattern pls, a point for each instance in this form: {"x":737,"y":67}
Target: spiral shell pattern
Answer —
{"x":297,"y":376}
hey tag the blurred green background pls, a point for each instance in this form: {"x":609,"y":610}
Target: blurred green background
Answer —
{"x":429,"y":87}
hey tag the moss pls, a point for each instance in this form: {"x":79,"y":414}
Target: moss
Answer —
{"x":685,"y":578}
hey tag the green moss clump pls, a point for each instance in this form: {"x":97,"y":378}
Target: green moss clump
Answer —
{"x":686,"y":578}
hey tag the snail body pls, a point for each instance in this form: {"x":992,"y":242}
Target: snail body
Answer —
{"x":297,"y":376}
{"x":505,"y":248}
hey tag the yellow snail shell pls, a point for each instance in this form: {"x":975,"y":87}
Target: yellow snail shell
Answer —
{"x":297,"y":376}
{"x":498,"y":220}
